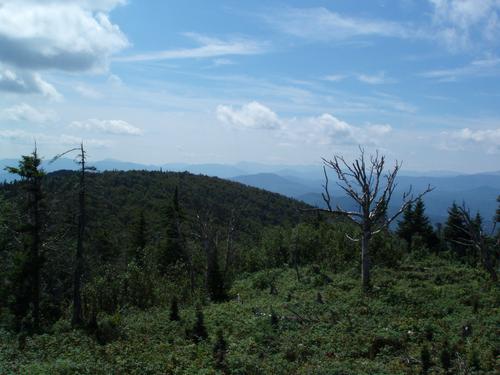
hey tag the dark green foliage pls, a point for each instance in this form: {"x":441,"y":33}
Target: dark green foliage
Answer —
{"x":425,"y":358}
{"x":174,"y":310}
{"x":455,"y":231}
{"x":172,"y":247}
{"x":199,"y":331}
{"x":416,"y":223}
{"x":445,"y":357}
{"x":215,"y":280}
{"x":28,"y":270}
{"x":219,"y":352}
{"x":474,"y":361}
{"x":274,"y":319}
{"x":139,"y":239}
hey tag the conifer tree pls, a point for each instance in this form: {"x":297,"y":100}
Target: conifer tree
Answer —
{"x":139,"y":239}
{"x":220,"y":351}
{"x":174,"y":310}
{"x":31,"y":173}
{"x":405,"y":226}
{"x":454,"y":231}
{"x":173,"y":244}
{"x":199,"y":330}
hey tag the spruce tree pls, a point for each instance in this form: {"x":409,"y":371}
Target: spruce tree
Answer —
{"x":220,"y":351}
{"x":172,"y":247}
{"x":405,"y":226}
{"x":31,"y":173}
{"x":455,"y":230}
{"x":174,"y":310}
{"x":138,"y":239}
{"x":199,"y":331}
{"x":422,"y":225}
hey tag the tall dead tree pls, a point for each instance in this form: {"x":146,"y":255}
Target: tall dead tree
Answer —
{"x":371,"y":186}
{"x":81,"y":160}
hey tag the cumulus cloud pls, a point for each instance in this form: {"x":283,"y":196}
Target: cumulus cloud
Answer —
{"x":252,"y":115}
{"x":490,"y":138}
{"x":325,"y":129}
{"x":119,"y":127}
{"x":26,"y":83}
{"x":483,"y":140}
{"x":63,"y":35}
{"x":26,"y":113}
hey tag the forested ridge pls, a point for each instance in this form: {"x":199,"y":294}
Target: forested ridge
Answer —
{"x":186,"y":273}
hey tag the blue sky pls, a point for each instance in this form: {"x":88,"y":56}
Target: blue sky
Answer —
{"x":283,"y":82}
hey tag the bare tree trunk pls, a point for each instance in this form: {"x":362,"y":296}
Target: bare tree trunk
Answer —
{"x":77,"y":298}
{"x":365,"y":259}
{"x":35,"y":254}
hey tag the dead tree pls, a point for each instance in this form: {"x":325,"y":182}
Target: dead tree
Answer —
{"x":81,"y":159}
{"x":371,"y":186}
{"x":209,"y":239}
{"x":473,"y":236}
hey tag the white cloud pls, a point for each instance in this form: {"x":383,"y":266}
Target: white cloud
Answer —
{"x":252,"y":115}
{"x":323,"y":24}
{"x":24,"y":137}
{"x":210,"y":47}
{"x":26,"y":83}
{"x":377,"y":79}
{"x":335,"y":77}
{"x":489,"y":66}
{"x":321,"y":130}
{"x":330,"y":130}
{"x":63,"y":35}
{"x":478,"y":139}
{"x":460,"y":24}
{"x":107,"y":126}
{"x":88,"y":92}
{"x":26,"y":113}
{"x":114,"y":80}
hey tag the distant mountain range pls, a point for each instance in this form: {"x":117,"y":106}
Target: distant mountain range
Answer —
{"x":304,"y":182}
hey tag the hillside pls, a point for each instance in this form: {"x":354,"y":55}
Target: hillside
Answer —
{"x":340,"y":332}
{"x":116,"y":197}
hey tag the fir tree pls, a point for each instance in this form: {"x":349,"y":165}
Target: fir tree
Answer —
{"x":172,"y":247}
{"x":220,"y":351}
{"x":199,"y":331}
{"x":455,"y":230}
{"x":29,"y":169}
{"x":174,"y":310}
{"x":425,"y":358}
{"x":416,"y":223}
{"x":139,"y":239}
{"x":215,"y":279}
{"x":405,"y":226}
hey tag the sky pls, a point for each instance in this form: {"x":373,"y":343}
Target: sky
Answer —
{"x":275,"y":82}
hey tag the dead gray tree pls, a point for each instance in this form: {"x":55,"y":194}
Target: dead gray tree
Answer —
{"x":371,"y":187}
{"x":81,"y":160}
